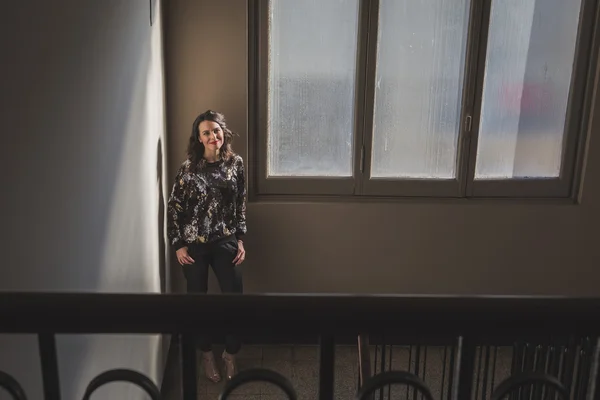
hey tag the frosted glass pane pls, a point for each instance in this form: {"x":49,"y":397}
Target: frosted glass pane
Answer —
{"x":530,"y":54}
{"x":420,"y":64}
{"x":312,"y":68}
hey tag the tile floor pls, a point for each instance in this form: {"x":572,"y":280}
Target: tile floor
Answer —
{"x":297,"y":363}
{"x":300,"y":365}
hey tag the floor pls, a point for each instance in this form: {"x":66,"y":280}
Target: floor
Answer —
{"x":300,"y":364}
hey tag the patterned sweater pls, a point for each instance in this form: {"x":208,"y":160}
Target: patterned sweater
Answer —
{"x":208,"y":204}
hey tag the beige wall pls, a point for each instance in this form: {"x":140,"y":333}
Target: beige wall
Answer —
{"x":82,"y":111}
{"x":476,"y":247}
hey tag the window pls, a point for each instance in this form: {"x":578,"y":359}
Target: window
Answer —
{"x":431,"y":98}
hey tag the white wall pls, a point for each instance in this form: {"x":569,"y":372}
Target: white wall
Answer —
{"x":82,"y":161}
{"x":416,"y":246}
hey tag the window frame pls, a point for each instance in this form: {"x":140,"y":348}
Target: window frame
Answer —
{"x":360,"y":185}
{"x":420,"y":187}
{"x":293,"y":185}
{"x":581,"y":87}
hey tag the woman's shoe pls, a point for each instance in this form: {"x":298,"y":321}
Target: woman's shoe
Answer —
{"x":210,"y":366}
{"x":230,"y":366}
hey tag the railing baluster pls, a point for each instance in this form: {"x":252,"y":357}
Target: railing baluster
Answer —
{"x":49,"y":363}
{"x":588,"y":365}
{"x":417,"y":367}
{"x":382,"y":364}
{"x":364,"y":359}
{"x":553,"y":367}
{"x":545,"y":369}
{"x":562,"y":357}
{"x":408,"y":369}
{"x":579,"y":374}
{"x":389,"y":369}
{"x":486,"y":372}
{"x":443,"y":371}
{"x":522,"y":363}
{"x":424,"y":368}
{"x":188,"y":366}
{"x":375,"y":360}
{"x":585,"y":363}
{"x":326,"y":367}
{"x":451,"y":377}
{"x":493,"y":378}
{"x":513,"y":365}
{"x":532,"y":359}
{"x":569,"y":364}
{"x":479,"y":352}
{"x":550,"y":369}
{"x":592,"y":379}
{"x":537,"y":350}
{"x":524,"y":368}
{"x":466,"y":362}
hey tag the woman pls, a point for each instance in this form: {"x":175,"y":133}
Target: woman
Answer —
{"x":207,"y":220}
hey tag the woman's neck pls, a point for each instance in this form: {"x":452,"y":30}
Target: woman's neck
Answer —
{"x":211,"y":156}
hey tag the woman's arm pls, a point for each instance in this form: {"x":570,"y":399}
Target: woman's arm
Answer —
{"x":175,"y":211}
{"x":240,"y":228}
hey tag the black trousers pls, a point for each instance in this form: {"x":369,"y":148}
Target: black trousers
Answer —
{"x":219,"y":255}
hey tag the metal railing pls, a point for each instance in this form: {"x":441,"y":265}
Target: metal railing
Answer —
{"x":554,"y":341}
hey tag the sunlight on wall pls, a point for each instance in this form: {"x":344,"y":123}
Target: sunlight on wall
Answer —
{"x":133,"y":221}
{"x":133,"y":218}
{"x":136,"y":352}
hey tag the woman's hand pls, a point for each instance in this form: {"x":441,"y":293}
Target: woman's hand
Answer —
{"x":241,"y":254}
{"x":183,"y":257}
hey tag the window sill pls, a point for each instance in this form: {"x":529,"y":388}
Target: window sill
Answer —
{"x":271,"y":199}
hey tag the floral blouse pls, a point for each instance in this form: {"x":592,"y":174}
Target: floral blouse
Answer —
{"x":207,"y":204}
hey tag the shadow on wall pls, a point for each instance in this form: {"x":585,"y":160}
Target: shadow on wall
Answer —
{"x":162,"y":248}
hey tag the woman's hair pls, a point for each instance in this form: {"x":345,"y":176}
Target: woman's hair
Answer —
{"x":195,"y":150}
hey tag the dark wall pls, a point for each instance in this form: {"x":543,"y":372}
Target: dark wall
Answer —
{"x":430,"y":246}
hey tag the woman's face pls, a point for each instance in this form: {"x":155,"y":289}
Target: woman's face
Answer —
{"x":210,"y":135}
